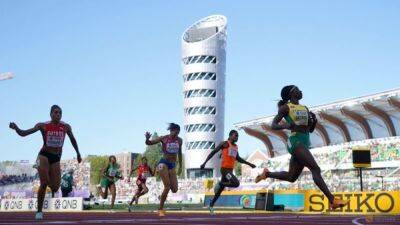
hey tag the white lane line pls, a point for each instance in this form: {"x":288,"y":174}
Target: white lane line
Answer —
{"x":194,"y":220}
{"x":355,"y":221}
{"x":61,"y":222}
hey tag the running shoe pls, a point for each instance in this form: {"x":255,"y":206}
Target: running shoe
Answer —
{"x":262,"y":176}
{"x":39,"y":216}
{"x":338,"y":203}
{"x":161,"y":212}
{"x":211,"y":209}
{"x":111,"y":211}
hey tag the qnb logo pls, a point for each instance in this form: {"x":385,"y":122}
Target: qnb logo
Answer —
{"x":13,"y":205}
{"x":69,"y":204}
{"x":30,"y":204}
{"x":359,"y":202}
{"x":6,"y":205}
{"x":57,"y":204}
{"x":45,"y":204}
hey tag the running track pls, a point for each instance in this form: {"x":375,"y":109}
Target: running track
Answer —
{"x":12,"y":218}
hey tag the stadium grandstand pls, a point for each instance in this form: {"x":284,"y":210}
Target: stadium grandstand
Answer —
{"x":18,"y":179}
{"x":371,"y":120}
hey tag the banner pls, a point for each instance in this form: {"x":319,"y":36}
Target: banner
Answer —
{"x":50,"y":204}
{"x":360,"y":202}
{"x":291,"y":199}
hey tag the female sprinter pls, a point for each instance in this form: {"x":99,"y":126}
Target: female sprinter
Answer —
{"x":109,"y":175}
{"x":229,"y":156}
{"x":172,"y":148}
{"x":48,"y":160}
{"x":300,"y":122}
{"x":144,"y":171}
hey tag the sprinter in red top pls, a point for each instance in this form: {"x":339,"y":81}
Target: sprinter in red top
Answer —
{"x":144,"y":171}
{"x":229,"y":156}
{"x":48,"y":160}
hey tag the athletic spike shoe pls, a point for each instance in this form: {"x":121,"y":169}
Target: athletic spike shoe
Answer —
{"x":39,"y":216}
{"x":338,"y":203}
{"x":211,"y":209}
{"x":161,"y":212}
{"x":262,"y":176}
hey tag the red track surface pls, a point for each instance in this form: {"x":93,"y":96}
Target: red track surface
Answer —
{"x":19,"y":218}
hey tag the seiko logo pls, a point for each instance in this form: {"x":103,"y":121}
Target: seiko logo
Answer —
{"x":371,"y":202}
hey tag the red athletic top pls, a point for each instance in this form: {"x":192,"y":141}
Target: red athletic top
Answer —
{"x":54,"y":135}
{"x":228,"y":157}
{"x":170,"y":145}
{"x":143,"y":171}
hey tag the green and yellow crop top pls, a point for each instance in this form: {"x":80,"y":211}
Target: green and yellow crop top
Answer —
{"x":298,"y":114}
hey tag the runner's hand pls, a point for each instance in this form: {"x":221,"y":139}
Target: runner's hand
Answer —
{"x":13,"y":126}
{"x":129,"y":179}
{"x":79,"y":158}
{"x":147,"y":135}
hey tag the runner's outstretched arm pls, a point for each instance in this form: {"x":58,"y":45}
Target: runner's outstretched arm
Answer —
{"x":24,"y":133}
{"x":154,"y":141}
{"x":241,"y":160}
{"x":73,"y":142}
{"x":223,"y":144}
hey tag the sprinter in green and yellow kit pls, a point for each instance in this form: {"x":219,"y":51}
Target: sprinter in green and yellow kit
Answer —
{"x":109,"y":175}
{"x":300,"y":121}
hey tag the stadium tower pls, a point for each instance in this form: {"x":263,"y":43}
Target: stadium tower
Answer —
{"x":203,"y":61}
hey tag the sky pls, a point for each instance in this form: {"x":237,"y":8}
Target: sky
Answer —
{"x":114,"y":66}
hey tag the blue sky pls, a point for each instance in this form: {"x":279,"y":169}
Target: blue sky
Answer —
{"x":114,"y":66}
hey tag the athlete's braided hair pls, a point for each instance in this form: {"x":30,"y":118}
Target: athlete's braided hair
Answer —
{"x":285,"y":95}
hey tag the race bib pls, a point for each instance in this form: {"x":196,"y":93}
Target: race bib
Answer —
{"x":172,"y":148}
{"x":112,"y":173}
{"x":301,"y":116}
{"x":64,"y":183}
{"x":145,"y":175}
{"x":232,"y":152}
{"x":55,"y":141}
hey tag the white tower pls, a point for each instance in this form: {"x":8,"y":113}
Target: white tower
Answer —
{"x":203,"y":60}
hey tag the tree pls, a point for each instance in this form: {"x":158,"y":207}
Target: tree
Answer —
{"x":238,"y":169}
{"x":97,"y":163}
{"x":153,"y":153}
{"x":136,"y":163}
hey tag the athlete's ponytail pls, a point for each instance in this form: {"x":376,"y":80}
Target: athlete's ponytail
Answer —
{"x":285,"y":95}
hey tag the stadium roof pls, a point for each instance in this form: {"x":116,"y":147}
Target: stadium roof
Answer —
{"x":355,"y":119}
